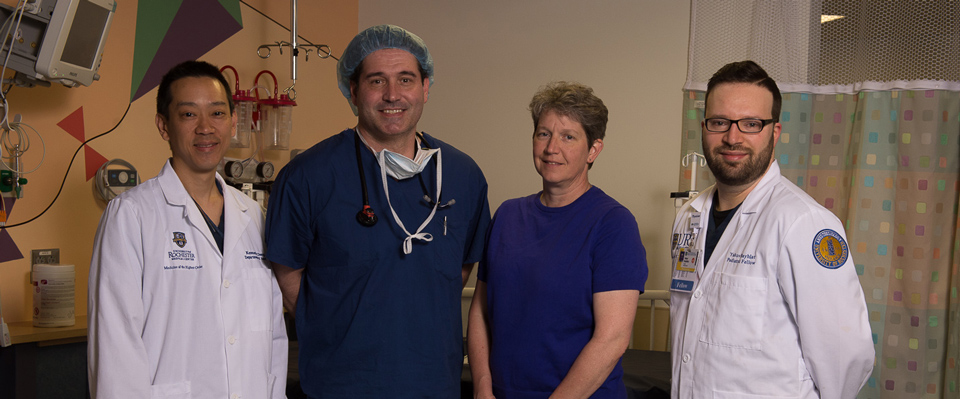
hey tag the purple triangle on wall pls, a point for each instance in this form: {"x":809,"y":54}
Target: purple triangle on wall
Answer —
{"x":8,"y":248}
{"x":198,"y":27}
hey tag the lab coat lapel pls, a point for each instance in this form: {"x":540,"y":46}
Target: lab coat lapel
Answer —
{"x":176,"y":195}
{"x":753,"y":203}
{"x":702,"y":200}
{"x":748,"y":209}
{"x":236,"y":218}
{"x":703,"y":205}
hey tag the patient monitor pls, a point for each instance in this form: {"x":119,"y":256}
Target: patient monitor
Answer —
{"x":57,"y":40}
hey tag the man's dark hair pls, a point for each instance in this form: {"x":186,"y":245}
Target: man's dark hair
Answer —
{"x":355,"y":76}
{"x":746,"y":72}
{"x":188,"y":69}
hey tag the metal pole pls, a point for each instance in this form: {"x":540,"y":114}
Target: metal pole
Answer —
{"x":293,"y":40}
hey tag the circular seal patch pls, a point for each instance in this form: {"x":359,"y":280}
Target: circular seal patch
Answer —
{"x":830,"y":249}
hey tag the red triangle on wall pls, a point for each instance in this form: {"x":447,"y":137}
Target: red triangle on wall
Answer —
{"x":93,"y":161}
{"x":73,"y":124}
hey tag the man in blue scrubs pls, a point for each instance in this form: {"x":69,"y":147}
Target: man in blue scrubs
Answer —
{"x":373,"y":232}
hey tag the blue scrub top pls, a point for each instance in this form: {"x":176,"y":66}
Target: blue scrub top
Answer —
{"x":371,"y":321}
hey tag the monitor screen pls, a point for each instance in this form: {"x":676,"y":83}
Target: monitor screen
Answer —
{"x":74,"y":40}
{"x":83,"y":41}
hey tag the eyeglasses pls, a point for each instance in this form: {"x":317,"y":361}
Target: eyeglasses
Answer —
{"x":722,"y":125}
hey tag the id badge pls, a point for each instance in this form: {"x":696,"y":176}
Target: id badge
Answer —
{"x":685,"y":274}
{"x":686,"y":258}
{"x":696,"y":222}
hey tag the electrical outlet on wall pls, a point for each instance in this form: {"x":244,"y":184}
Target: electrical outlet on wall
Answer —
{"x":45,"y":256}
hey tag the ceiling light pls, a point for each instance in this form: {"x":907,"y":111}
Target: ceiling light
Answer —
{"x":827,"y":18}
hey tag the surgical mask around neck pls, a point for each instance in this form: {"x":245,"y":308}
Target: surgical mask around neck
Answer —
{"x":419,"y":234}
{"x":400,"y":167}
{"x":420,"y":160}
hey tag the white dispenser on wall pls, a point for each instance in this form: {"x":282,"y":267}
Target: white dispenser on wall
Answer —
{"x":53,"y":295}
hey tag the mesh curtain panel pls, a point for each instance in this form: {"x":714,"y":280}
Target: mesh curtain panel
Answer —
{"x":871,"y":130}
{"x":877,"y":45}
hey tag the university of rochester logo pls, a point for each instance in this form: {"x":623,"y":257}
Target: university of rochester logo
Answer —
{"x":179,"y":238}
{"x":830,"y":249}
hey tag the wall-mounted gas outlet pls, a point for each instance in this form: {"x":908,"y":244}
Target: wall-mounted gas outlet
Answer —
{"x":45,"y":256}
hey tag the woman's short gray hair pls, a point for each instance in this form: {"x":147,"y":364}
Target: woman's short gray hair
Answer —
{"x":575,"y":101}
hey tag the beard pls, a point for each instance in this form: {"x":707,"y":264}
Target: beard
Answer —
{"x":740,"y":173}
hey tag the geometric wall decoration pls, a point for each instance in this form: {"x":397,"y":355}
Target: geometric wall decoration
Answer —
{"x":8,"y":249}
{"x":73,"y":124}
{"x":172,"y":31}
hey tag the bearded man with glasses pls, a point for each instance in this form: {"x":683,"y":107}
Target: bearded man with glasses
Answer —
{"x":765,"y":299}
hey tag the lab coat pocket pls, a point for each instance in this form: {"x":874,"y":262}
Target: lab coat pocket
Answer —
{"x":176,"y":390}
{"x":734,"y":316}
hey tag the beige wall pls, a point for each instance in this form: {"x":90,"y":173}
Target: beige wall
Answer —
{"x":491,"y":56}
{"x":72,"y":221}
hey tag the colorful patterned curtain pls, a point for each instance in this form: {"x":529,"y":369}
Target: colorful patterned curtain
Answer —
{"x":871,"y":130}
{"x":887,"y":164}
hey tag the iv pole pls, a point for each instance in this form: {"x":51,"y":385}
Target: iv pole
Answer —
{"x":680,"y":197}
{"x":296,"y":50}
{"x":322,"y":50}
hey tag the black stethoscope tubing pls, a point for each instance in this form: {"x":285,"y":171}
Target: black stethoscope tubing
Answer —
{"x":366,"y":216}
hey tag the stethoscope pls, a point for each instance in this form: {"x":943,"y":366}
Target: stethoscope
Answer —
{"x":367,"y":216}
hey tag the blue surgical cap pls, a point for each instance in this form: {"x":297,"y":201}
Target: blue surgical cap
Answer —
{"x":378,"y":38}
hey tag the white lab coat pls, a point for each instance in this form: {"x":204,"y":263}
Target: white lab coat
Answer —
{"x":766,"y":318}
{"x":169,"y":317}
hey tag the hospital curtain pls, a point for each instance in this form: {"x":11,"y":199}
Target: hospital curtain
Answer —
{"x":871,"y":130}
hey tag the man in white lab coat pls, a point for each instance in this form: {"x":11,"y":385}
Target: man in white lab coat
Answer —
{"x":182,"y":302}
{"x":765,"y":297}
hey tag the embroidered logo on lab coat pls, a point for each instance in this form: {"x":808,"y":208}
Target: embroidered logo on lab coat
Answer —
{"x":830,"y":249}
{"x":179,"y":238}
{"x":680,"y":241}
